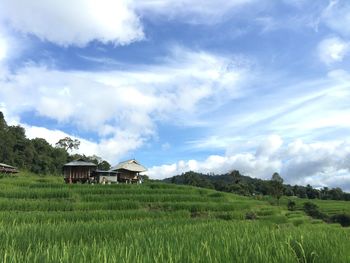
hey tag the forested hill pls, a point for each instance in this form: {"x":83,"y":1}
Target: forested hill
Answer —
{"x":235,"y":182}
{"x":35,"y":155}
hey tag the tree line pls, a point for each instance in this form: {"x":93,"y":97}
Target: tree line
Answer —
{"x":234,"y":182}
{"x":37,"y":155}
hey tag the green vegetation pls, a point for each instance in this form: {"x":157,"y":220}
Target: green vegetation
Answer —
{"x":234,"y":182}
{"x":37,"y":155}
{"x":44,"y":220}
{"x":326,"y":210}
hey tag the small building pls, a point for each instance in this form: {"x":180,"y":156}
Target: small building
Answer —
{"x":78,"y":171}
{"x":101,"y":176}
{"x":128,"y":171}
{"x":7,"y":169}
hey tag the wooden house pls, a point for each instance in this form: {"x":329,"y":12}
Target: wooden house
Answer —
{"x":7,"y":169}
{"x":128,"y":171}
{"x":78,"y":171}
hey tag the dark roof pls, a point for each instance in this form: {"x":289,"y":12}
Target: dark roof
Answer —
{"x":130,"y":165}
{"x":80,"y":163}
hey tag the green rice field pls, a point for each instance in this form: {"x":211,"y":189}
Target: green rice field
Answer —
{"x":44,"y":220}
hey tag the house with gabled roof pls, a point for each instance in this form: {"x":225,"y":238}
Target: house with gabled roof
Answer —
{"x":129,"y":171}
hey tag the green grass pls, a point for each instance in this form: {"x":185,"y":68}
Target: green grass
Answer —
{"x":44,"y":220}
{"x":329,"y":207}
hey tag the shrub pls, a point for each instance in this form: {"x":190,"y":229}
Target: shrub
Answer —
{"x":342,"y":219}
{"x":250,"y":215}
{"x":291,"y":205}
{"x":311,"y":209}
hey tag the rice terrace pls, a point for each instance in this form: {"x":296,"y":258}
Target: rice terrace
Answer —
{"x":45,"y":220}
{"x":175,"y":131}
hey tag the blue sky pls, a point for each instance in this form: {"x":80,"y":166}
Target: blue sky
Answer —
{"x":258,"y":86}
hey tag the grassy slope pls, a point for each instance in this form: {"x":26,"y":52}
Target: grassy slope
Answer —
{"x":329,"y":207}
{"x":43,"y":219}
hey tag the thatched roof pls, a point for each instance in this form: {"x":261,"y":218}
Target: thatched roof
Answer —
{"x":80,"y":162}
{"x":130,"y":165}
{"x":7,"y":166}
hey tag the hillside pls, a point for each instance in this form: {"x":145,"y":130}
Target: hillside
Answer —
{"x":44,"y":220}
{"x":235,"y":182}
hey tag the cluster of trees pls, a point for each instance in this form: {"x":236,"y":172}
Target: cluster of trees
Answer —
{"x":312,"y":210}
{"x":234,"y":182}
{"x":37,"y":155}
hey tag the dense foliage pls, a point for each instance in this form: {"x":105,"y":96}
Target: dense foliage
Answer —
{"x":314,"y":211}
{"x":234,"y":182}
{"x":44,"y":220}
{"x":36,"y":155}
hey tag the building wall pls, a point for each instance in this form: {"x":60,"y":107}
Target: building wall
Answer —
{"x":77,"y":173}
{"x":108,"y":178}
{"x":128,"y":175}
{"x":7,"y":170}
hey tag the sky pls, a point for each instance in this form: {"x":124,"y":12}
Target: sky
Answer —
{"x":259,"y":86}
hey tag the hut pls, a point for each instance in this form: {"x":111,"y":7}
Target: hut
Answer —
{"x":78,"y":171}
{"x":128,"y":171}
{"x":7,"y":169}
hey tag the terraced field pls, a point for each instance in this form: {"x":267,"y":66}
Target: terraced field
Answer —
{"x":330,"y":207}
{"x":44,"y":220}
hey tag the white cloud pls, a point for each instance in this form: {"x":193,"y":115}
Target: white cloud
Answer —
{"x":247,"y":163}
{"x":270,"y":146}
{"x":319,"y":163}
{"x":112,"y":149}
{"x":122,"y":107}
{"x":108,"y":21}
{"x":333,"y":50}
{"x":74,"y":22}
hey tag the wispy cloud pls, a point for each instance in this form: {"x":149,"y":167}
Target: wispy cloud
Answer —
{"x":337,"y":16}
{"x":193,"y":11}
{"x":125,"y":105}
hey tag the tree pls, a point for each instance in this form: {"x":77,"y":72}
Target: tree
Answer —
{"x":3,"y":124}
{"x":68,"y":143}
{"x":291,"y":205}
{"x":277,"y":178}
{"x":101,"y":164}
{"x":311,"y":192}
{"x":104,"y":165}
{"x":276,"y":186}
{"x":144,"y":178}
{"x":235,"y":176}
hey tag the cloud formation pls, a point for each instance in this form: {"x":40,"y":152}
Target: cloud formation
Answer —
{"x":80,"y":22}
{"x":319,"y":164}
{"x":74,"y":22}
{"x":224,"y":106}
{"x":333,"y":50}
{"x":122,"y":107}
